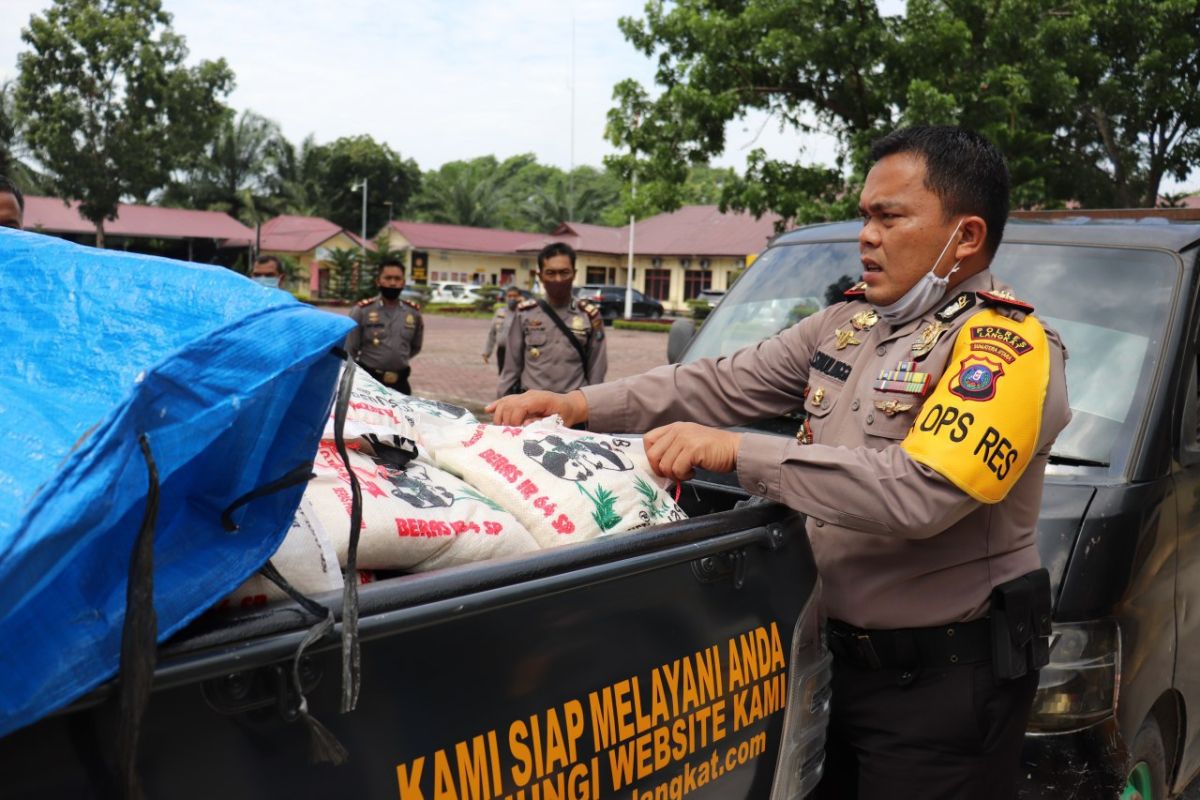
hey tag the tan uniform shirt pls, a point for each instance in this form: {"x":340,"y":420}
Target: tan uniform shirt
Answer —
{"x":541,"y":357}
{"x":498,"y":330}
{"x":387,"y":336}
{"x":896,"y":544}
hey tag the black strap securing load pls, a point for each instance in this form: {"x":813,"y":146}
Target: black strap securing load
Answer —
{"x":572,"y":338}
{"x":397,"y":452}
{"x":139,"y":637}
{"x":351,"y":662}
{"x":300,"y":474}
{"x":323,"y":746}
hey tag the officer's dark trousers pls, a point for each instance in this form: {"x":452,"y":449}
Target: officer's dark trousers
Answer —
{"x":500,"y":351}
{"x":946,"y":734}
{"x":401,"y":384}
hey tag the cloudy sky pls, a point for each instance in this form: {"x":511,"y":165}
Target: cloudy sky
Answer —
{"x":437,"y":80}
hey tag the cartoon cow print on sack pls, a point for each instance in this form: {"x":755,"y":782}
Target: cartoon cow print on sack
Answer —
{"x":413,"y":485}
{"x":575,"y":460}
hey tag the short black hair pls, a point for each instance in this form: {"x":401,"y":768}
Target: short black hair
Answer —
{"x":8,"y":187}
{"x":966,"y":171}
{"x":391,"y":261}
{"x":264,"y":259}
{"x":556,"y":249}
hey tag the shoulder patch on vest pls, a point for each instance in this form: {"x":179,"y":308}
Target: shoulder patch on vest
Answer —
{"x":1004,"y":299}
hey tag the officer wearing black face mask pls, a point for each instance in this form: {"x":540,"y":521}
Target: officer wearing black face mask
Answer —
{"x":390,"y":330}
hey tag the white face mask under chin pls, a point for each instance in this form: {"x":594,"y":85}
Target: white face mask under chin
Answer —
{"x":924,"y":293}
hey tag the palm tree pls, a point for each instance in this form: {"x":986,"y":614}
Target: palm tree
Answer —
{"x":234,"y":171}
{"x":14,"y":154}
{"x":556,"y":204}
{"x":293,"y":185}
{"x":469,"y":193}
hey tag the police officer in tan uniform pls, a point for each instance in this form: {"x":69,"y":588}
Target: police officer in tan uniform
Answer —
{"x":933,"y":397}
{"x":497,"y":338}
{"x":390,"y":331}
{"x":557,"y":344}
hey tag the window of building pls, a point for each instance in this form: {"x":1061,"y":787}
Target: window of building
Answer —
{"x":508,"y":277}
{"x":658,"y":283}
{"x":696,"y":281}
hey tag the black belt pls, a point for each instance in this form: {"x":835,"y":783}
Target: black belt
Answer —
{"x":908,"y":648}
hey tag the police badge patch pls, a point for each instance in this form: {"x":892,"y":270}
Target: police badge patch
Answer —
{"x":977,"y":378}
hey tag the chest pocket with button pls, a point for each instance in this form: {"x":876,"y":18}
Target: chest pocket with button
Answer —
{"x":893,"y":420}
{"x":821,"y":399}
{"x":535,"y":337}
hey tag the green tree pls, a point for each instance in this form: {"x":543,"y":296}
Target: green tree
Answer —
{"x":295,"y":176}
{"x":344,"y":274}
{"x":233,"y":173}
{"x":14,"y":152}
{"x":476,"y":193}
{"x":586,"y":195}
{"x":1091,"y":100}
{"x":391,"y":179}
{"x":110,"y":107}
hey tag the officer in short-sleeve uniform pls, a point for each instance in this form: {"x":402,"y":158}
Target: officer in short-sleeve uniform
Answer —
{"x":539,"y":355}
{"x":497,"y":338}
{"x":389,"y":335}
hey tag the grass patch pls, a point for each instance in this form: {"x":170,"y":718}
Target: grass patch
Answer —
{"x":642,"y":325}
{"x":453,"y":310}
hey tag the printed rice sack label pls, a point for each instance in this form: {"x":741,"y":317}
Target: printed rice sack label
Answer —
{"x":564,"y":485}
{"x":306,"y":559}
{"x":415,"y":518}
{"x":376,"y":410}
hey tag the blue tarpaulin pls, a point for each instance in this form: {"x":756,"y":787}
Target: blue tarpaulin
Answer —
{"x":230,"y":383}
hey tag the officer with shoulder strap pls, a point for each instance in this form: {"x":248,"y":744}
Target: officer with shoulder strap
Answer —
{"x":390,"y":330}
{"x":557,"y":344}
{"x":497,"y":338}
{"x":932,"y":398}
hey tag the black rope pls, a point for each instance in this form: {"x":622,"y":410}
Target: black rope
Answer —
{"x":138,"y":637}
{"x":300,"y":474}
{"x":351,"y":663}
{"x":272,"y":573}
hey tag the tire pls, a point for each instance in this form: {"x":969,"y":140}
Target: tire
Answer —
{"x":656,"y":314}
{"x":608,"y":317}
{"x":1146,"y":776}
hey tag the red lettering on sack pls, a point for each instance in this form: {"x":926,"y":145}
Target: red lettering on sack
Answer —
{"x":475,"y":437}
{"x":563,"y":524}
{"x":254,"y":600}
{"x":513,"y":432}
{"x":545,"y":505}
{"x":383,"y":412}
{"x":527,"y":488}
{"x":492,"y":528}
{"x":505,"y":468}
{"x":344,"y":496}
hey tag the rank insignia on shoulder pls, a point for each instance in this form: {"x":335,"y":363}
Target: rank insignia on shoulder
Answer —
{"x":525,"y":305}
{"x":410,"y":304}
{"x":587,"y":308}
{"x":1004,"y":299}
{"x":961,"y":303}
{"x":367,"y":301}
{"x":856,"y":291}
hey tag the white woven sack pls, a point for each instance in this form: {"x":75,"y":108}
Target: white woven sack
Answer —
{"x":376,"y":410}
{"x":417,"y":518}
{"x":306,"y":559}
{"x":564,"y":485}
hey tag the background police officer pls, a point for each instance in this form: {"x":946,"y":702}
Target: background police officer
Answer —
{"x":497,"y":338}
{"x":390,"y":330}
{"x":557,"y":344}
{"x":932,"y":400}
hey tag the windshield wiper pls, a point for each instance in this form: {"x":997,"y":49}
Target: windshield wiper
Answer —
{"x":1073,"y":461}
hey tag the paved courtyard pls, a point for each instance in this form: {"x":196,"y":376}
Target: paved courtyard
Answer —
{"x":450,"y":367}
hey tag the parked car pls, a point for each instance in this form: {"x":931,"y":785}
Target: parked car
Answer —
{"x":1117,"y":710}
{"x":611,"y":300}
{"x":711,"y":296}
{"x":453,"y":292}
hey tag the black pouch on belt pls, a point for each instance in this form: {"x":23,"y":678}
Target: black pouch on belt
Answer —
{"x":1020,"y":614}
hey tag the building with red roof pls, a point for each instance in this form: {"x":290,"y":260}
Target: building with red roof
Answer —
{"x":307,"y":241}
{"x":177,"y":232}
{"x":675,"y":254}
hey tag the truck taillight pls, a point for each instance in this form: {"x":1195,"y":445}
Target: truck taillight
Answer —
{"x":802,"y":751}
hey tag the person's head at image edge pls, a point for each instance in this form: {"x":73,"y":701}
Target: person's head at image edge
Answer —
{"x":511,"y":297}
{"x":934,"y":207}
{"x":556,"y":271}
{"x":12,"y":205}
{"x":390,"y":279}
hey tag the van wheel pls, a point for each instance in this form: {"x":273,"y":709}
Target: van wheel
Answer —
{"x":1147,"y":777}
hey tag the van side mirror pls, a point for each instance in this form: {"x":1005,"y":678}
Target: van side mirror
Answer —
{"x":682,"y":331}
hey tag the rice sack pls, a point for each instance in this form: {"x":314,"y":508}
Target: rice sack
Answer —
{"x":415,"y":517}
{"x":564,"y":485}
{"x":376,"y":410}
{"x":306,"y":559}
